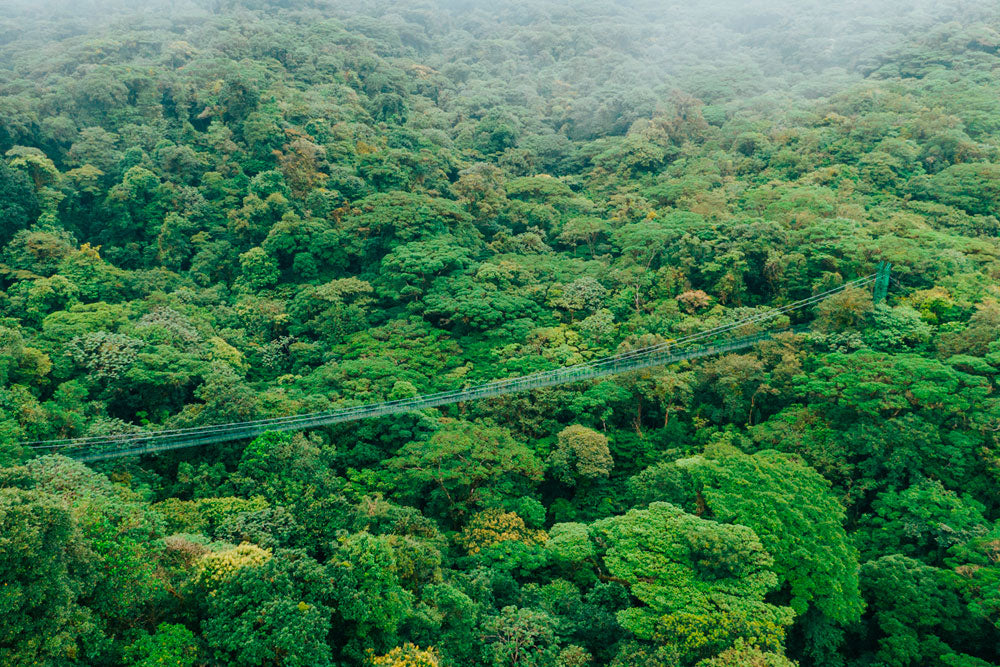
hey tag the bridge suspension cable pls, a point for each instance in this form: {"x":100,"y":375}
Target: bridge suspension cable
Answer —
{"x":99,"y":447}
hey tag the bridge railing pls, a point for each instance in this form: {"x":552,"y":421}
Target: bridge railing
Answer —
{"x":146,"y":443}
{"x":691,"y":346}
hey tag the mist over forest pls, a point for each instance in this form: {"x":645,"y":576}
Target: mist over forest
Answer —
{"x":743,"y":259}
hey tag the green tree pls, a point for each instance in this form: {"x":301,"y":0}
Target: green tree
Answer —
{"x":259,"y":270}
{"x":519,"y":637}
{"x":276,"y":613}
{"x":797,"y":519}
{"x":285,"y":468}
{"x":20,"y":206}
{"x":875,"y":420}
{"x":46,"y":568}
{"x":971,"y":187}
{"x":581,"y":452}
{"x":171,"y":644}
{"x":922,"y":522}
{"x":288,"y":470}
{"x":465,"y":466}
{"x":913,"y":607}
{"x":409,"y":269}
{"x":119,"y":530}
{"x":691,"y":574}
{"x":378,"y":223}
{"x":371,"y":604}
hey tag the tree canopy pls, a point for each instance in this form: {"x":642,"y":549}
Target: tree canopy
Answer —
{"x":213,"y":212}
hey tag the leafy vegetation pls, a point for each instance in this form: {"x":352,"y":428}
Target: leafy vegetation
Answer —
{"x":239,"y":209}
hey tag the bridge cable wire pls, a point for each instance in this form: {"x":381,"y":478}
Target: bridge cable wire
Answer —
{"x":490,"y":385}
{"x":671,"y":344}
{"x":612,"y":364}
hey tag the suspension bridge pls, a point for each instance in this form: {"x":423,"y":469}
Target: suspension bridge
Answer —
{"x":717,"y":340}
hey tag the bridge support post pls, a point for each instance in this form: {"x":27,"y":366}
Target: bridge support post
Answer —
{"x":881,"y":282}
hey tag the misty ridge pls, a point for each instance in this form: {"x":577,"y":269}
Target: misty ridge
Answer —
{"x":602,"y":65}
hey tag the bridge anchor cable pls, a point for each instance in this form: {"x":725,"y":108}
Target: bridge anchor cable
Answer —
{"x":716,"y":340}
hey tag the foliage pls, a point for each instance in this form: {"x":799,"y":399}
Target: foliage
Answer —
{"x":702,"y":584}
{"x":407,"y":655}
{"x":44,"y":561}
{"x":172,"y":645}
{"x":491,"y":527}
{"x":216,"y":568}
{"x":463,"y":466}
{"x":252,"y":209}
{"x":582,"y":452}
{"x":271,"y":611}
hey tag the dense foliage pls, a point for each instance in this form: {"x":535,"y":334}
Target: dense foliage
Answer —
{"x":237,"y":209}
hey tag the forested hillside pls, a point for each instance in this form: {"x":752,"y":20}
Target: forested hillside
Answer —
{"x":224,"y":210}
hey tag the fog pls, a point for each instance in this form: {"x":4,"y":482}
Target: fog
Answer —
{"x":646,"y":43}
{"x":562,"y":71}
